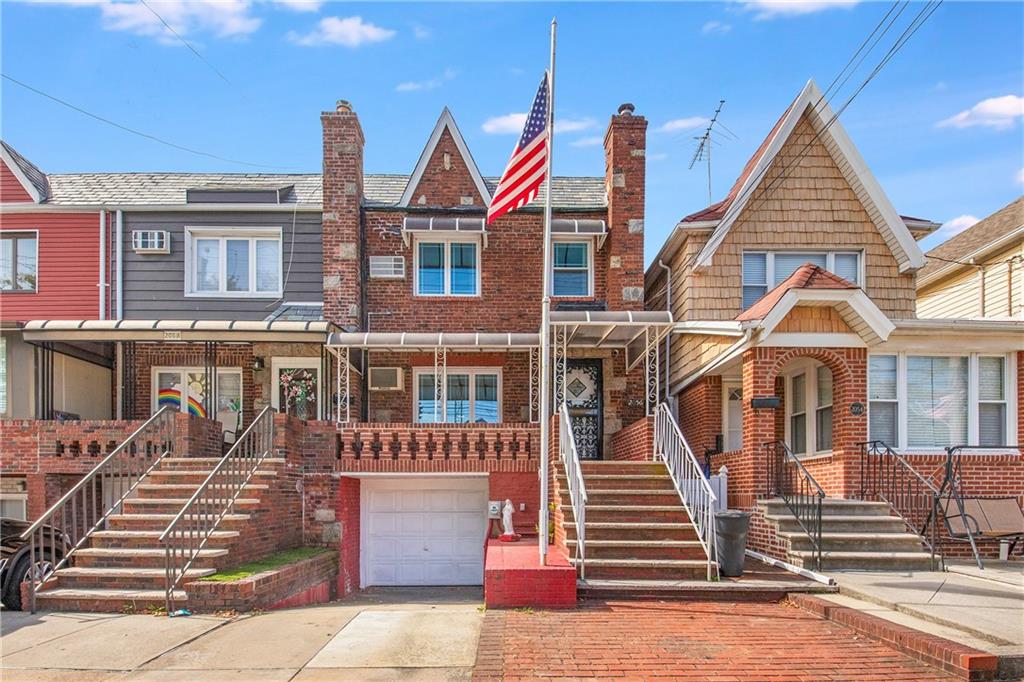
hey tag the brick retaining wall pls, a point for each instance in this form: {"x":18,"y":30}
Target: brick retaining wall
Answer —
{"x":309,"y":581}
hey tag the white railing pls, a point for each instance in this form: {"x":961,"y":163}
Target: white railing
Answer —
{"x":577,"y":488}
{"x":693,"y":488}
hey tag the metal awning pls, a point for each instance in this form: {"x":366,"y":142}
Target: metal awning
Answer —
{"x":636,"y":331}
{"x":583,"y":228}
{"x":238,"y":331}
{"x":413,"y":341}
{"x":472,"y":226}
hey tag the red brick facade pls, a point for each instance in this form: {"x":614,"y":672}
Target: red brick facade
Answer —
{"x":634,"y":442}
{"x":625,"y":146}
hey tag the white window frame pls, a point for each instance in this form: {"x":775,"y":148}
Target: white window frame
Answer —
{"x":296,"y":362}
{"x":18,"y":497}
{"x":154,"y":387}
{"x":809,"y":368}
{"x":727,"y":386}
{"x":819,"y":407}
{"x":472,"y":372}
{"x":447,"y":241}
{"x":1005,"y":402}
{"x":1010,"y":370}
{"x":830,"y":260}
{"x":590,"y":266}
{"x":16,"y":233}
{"x":223,"y":234}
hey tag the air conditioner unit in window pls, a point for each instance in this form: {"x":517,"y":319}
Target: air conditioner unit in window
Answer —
{"x":151,"y":241}
{"x":385,"y":378}
{"x":387,"y":267}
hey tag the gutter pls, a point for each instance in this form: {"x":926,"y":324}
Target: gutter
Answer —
{"x":967,"y":260}
{"x":119,"y":260}
{"x":101,"y":285}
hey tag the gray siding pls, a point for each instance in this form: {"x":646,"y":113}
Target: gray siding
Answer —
{"x":154,"y":285}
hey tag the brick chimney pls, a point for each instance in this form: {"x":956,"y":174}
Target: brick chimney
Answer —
{"x":625,"y":148}
{"x":342,"y":194}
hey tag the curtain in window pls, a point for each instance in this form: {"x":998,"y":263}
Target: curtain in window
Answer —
{"x":882,"y":406}
{"x":847,"y":266}
{"x":237,"y":266}
{"x":268,"y":260}
{"x":823,"y":411}
{"x":936,"y":401}
{"x":991,"y":401}
{"x":755,"y":277}
{"x":207,"y":265}
{"x":798,"y":420}
{"x":788,"y":263}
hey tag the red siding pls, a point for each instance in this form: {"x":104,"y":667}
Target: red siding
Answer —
{"x":68,"y":267}
{"x":10,"y":187}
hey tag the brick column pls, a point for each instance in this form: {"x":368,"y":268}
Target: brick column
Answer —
{"x":625,"y":148}
{"x":342,"y":194}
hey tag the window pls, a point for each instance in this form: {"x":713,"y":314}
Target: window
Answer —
{"x":823,"y":410}
{"x":798,"y":414}
{"x":809,"y":408}
{"x":936,"y":401}
{"x":184,"y":388}
{"x":570,"y":269}
{"x":234,"y":263}
{"x":447,"y":269}
{"x":473,"y":396}
{"x":13,"y":498}
{"x":151,"y":241}
{"x":18,"y":261}
{"x":297,"y":391}
{"x":765,"y":270}
{"x":733,"y":418}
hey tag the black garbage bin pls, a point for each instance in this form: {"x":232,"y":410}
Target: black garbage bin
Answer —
{"x":731,"y":528}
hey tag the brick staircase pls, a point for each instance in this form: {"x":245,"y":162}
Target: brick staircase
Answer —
{"x":854,"y":535}
{"x":122,"y":568}
{"x":636,"y":526}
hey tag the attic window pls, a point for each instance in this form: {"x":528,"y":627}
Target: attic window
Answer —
{"x":238,"y":194}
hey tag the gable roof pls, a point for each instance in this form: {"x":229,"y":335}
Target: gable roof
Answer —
{"x":974,"y":241}
{"x":889,"y":222}
{"x":807,"y":276}
{"x":445,"y":122}
{"x":31,"y":178}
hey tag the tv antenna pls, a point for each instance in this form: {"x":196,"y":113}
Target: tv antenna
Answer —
{"x":703,"y":152}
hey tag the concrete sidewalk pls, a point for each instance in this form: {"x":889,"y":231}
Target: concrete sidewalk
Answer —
{"x":376,"y":636}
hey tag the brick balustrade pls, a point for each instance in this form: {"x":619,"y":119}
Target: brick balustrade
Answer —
{"x":439,"y":443}
{"x":634,"y":442}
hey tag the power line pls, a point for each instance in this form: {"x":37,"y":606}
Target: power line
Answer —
{"x":140,"y":133}
{"x":185,"y":42}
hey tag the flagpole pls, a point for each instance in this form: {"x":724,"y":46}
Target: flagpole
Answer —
{"x":545,"y":319}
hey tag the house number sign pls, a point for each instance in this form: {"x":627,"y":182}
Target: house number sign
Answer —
{"x":857,"y":409}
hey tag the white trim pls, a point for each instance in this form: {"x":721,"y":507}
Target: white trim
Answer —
{"x":154,"y":386}
{"x":15,"y":168}
{"x":880,"y":325}
{"x":574,"y":239}
{"x":446,"y":120}
{"x":813,"y":340}
{"x":296,"y":362}
{"x":967,"y":259}
{"x":25,"y":207}
{"x":709,"y":327}
{"x":417,"y":372}
{"x":446,"y":240}
{"x":23,"y":292}
{"x":912,"y":258}
{"x":728,"y":385}
{"x":193,"y":233}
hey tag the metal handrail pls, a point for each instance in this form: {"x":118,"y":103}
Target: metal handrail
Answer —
{"x":800,"y":492}
{"x":194,"y":523}
{"x":887,"y":476}
{"x":570,"y":457}
{"x":688,"y":477}
{"x":70,"y":522}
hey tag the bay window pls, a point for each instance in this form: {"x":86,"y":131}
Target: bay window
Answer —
{"x":473,"y":396}
{"x":447,"y":268}
{"x":935,"y":401}
{"x":234,"y":262}
{"x":765,"y":270}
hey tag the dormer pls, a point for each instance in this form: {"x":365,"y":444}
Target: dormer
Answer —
{"x":446,"y":175}
{"x":21,"y":181}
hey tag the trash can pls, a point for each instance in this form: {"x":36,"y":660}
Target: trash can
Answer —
{"x":731,"y":528}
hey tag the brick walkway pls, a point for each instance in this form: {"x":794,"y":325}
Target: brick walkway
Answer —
{"x":683,"y":640}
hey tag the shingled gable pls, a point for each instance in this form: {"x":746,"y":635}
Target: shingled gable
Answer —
{"x":32,"y":180}
{"x":813,"y":285}
{"x":446,"y":129}
{"x":890,"y":224}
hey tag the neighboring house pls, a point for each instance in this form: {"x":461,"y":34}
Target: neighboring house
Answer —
{"x":979,"y":273}
{"x":794,"y":305}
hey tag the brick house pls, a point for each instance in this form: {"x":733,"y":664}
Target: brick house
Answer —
{"x":796,"y":333}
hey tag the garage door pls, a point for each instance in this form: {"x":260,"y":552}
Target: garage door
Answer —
{"x":423,"y":531}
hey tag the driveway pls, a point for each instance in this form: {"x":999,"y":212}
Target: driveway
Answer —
{"x":377,"y":635}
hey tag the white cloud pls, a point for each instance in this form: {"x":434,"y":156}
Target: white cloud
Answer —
{"x":769,"y":9}
{"x":224,"y":19}
{"x":348,"y":32}
{"x":994,"y":112}
{"x":660,"y":156}
{"x":593,"y":141}
{"x":512,"y":124}
{"x":1020,"y":176}
{"x":413,"y":86}
{"x":952,"y":228}
{"x":680,"y":124}
{"x":715,"y":28}
{"x":299,"y":5}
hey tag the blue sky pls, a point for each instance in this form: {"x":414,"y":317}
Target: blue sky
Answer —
{"x":940,"y":126}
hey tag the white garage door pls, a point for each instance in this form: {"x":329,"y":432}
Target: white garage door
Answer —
{"x":423,"y":531}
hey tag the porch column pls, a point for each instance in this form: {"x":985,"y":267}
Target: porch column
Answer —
{"x":560,"y":351}
{"x":758,"y":429}
{"x":343,"y":386}
{"x":44,"y":380}
{"x":534,"y":385}
{"x":651,"y":371}
{"x":210,"y":375}
{"x":440,"y":384}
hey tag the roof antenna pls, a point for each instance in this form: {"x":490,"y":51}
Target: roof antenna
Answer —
{"x":703,"y":151}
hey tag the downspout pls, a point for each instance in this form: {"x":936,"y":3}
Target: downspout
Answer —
{"x":119,"y":266}
{"x":103,"y":264}
{"x":668,"y":337}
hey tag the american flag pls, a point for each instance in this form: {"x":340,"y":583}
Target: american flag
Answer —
{"x":528,"y":166}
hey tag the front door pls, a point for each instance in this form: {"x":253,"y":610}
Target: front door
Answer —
{"x":583,"y":396}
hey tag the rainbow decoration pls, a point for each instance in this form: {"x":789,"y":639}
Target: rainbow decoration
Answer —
{"x":195,"y":407}
{"x":169,"y":396}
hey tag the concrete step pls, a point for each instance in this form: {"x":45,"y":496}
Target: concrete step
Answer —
{"x":864,"y":561}
{"x":857,"y":542}
{"x":175,"y":504}
{"x":644,"y":569}
{"x":641,"y":549}
{"x":634,"y":531}
{"x":618,"y":467}
{"x":121,"y":578}
{"x":696,"y":589}
{"x":627,"y":497}
{"x":196,"y":476}
{"x":843,"y":524}
{"x":159,"y":521}
{"x":142,"y":539}
{"x":110,"y":600}
{"x":623,"y":481}
{"x":830,"y":506}
{"x":631,"y":513}
{"x":205,"y":463}
{"x":141,"y":558}
{"x":160,"y":491}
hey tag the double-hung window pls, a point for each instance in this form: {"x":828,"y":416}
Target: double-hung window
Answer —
{"x":447,"y":268}
{"x":798,"y":414}
{"x":472,"y":396}
{"x":571,"y":269}
{"x":18,"y":261}
{"x":935,"y":401}
{"x":765,"y":270}
{"x":809,"y":409}
{"x":235,"y":262}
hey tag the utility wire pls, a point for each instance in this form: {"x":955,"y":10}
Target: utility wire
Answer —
{"x":140,"y":133}
{"x":185,"y":42}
